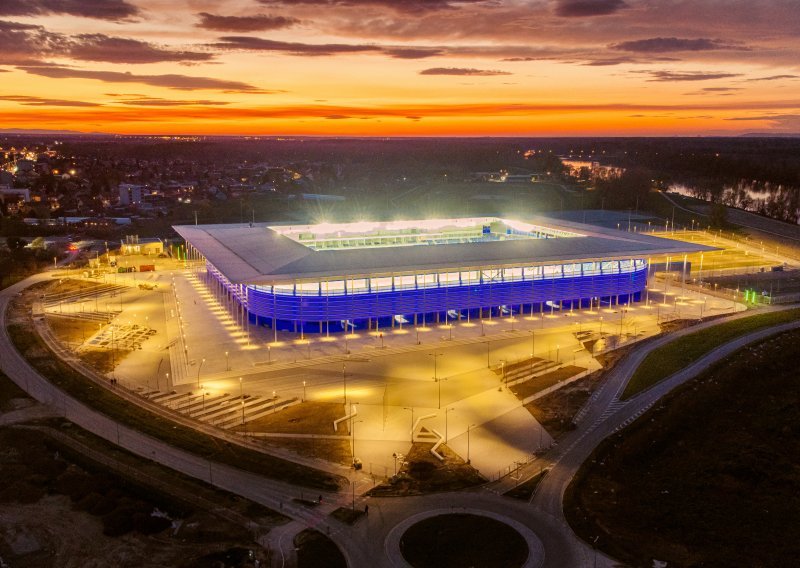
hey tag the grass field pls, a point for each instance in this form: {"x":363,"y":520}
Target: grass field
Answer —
{"x":674,"y":356}
{"x":709,"y":476}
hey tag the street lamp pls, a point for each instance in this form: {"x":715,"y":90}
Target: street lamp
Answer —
{"x":227,"y":362}
{"x":468,"y":429}
{"x":242,"y":412}
{"x":198,"y":371}
{"x":533,"y":346}
{"x":241,"y":389}
{"x":446,"y":412}
{"x":353,"y":438}
{"x":304,"y":391}
{"x":411,"y":408}
{"x":344,"y":381}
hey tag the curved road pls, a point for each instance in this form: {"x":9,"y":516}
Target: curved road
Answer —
{"x":365,"y":544}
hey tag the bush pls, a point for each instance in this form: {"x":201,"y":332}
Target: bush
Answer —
{"x":146,"y":523}
{"x":119,"y":521}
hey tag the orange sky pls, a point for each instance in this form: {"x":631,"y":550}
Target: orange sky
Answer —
{"x":412,"y":68}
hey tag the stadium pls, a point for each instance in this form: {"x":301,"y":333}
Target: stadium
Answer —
{"x":334,"y":277}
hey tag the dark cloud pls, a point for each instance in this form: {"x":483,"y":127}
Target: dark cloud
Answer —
{"x":144,"y":100}
{"x":773,"y":78}
{"x":462,"y":71}
{"x":38,"y":101}
{"x":413,"y":52}
{"x":666,"y":44}
{"x":170,"y":81}
{"x":715,"y":91}
{"x":609,"y":61}
{"x":582,"y":8}
{"x":25,"y":43}
{"x":100,"y":9}
{"x":257,"y":23}
{"x":100,"y":47}
{"x":413,"y":6}
{"x":292,"y":48}
{"x":778,"y":122}
{"x":688,"y":75}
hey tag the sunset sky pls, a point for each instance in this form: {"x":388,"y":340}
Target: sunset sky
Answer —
{"x":401,"y":68}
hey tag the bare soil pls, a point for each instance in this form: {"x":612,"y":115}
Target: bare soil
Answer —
{"x":424,"y":473}
{"x":71,"y":330}
{"x":309,"y":417}
{"x":57,"y":512}
{"x":336,"y":451}
{"x":709,"y":476}
{"x":527,"y":388}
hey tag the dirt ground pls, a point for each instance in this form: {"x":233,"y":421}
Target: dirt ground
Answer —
{"x":709,"y":476}
{"x":309,"y":417}
{"x":556,"y":410}
{"x":55,"y":512}
{"x":527,"y":388}
{"x":50,"y":533}
{"x":421,"y":473}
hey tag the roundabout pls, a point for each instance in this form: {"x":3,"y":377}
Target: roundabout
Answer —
{"x":447,"y":538}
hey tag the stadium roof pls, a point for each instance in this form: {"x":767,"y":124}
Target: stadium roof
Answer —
{"x":256,"y":253}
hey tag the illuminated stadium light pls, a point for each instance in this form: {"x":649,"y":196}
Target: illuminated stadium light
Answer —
{"x":381,"y":275}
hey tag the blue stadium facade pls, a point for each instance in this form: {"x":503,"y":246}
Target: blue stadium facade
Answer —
{"x":344,"y":277}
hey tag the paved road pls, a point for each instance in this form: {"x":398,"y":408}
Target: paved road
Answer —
{"x":368,"y":542}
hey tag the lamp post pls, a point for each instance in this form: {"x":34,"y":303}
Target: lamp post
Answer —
{"x":204,"y":398}
{"x":394,"y":455}
{"x":344,"y":382}
{"x":304,"y":391}
{"x":241,"y":389}
{"x":446,"y":412}
{"x":242,"y":412}
{"x":411,"y":408}
{"x":436,"y":356}
{"x":198,"y":371}
{"x":533,"y":346}
{"x":471,"y":426}
{"x":353,"y":438}
{"x":227,"y":362}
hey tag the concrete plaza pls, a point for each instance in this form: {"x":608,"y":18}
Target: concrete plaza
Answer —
{"x":445,"y":378}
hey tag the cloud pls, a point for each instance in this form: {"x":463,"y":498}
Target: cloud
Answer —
{"x":413,"y":52}
{"x":688,"y":75}
{"x":666,"y":44}
{"x":144,"y":100}
{"x":25,"y":43}
{"x":113,"y":10}
{"x":778,"y":122}
{"x":773,"y":78}
{"x":100,"y":47}
{"x":38,"y":101}
{"x":715,"y":91}
{"x":169,"y":81}
{"x":257,"y":23}
{"x":462,"y":71}
{"x":412,"y":6}
{"x":292,"y":48}
{"x":582,"y":8}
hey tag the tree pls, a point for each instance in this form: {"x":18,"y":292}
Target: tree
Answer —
{"x":718,"y":215}
{"x":626,"y":191}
